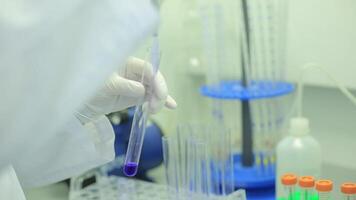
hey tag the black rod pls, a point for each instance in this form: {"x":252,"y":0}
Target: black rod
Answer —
{"x":247,"y":137}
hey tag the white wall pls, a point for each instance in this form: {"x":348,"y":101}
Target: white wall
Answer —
{"x":332,"y":121}
{"x":323,"y":31}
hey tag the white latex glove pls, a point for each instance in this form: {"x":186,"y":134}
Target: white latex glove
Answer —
{"x":124,"y":89}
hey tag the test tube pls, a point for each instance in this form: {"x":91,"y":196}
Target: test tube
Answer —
{"x":348,"y":191}
{"x":306,"y":184}
{"x":137,"y":133}
{"x":201,"y":176}
{"x":324,"y":188}
{"x":289,"y":182}
{"x":138,"y":127}
{"x":169,"y":148}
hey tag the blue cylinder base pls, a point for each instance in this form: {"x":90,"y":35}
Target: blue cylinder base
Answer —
{"x":258,"y":181}
{"x":233,"y":89}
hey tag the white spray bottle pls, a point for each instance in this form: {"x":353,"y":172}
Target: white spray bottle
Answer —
{"x":298,"y":153}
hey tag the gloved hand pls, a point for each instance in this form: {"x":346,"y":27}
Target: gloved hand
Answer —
{"x":124,"y":89}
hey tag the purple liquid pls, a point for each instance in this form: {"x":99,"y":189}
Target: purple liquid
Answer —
{"x":130,"y":169}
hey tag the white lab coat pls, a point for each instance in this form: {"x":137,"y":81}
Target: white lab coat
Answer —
{"x":54,"y":55}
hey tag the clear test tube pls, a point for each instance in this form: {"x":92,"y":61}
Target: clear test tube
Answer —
{"x":202,"y":173}
{"x":348,"y":191}
{"x":289,"y":181}
{"x":192,"y":169}
{"x":183,"y":133}
{"x":170,"y":163}
{"x":306,"y":184}
{"x":324,"y":188}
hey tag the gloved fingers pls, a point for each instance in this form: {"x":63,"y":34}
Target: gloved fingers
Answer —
{"x":170,"y":103}
{"x":160,"y":89}
{"x":157,"y":104}
{"x":160,"y":96}
{"x":117,"y":85}
{"x":126,"y":102}
{"x":159,"y":93}
{"x":136,"y":67}
{"x":134,"y":70}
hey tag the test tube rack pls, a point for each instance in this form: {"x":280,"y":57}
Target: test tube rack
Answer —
{"x":107,"y":187}
{"x":197,"y":159}
{"x":262,"y":33}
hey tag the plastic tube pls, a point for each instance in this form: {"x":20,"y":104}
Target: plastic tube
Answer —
{"x":138,"y":127}
{"x":222,"y":160}
{"x":186,"y":160}
{"x":209,"y":47}
{"x":207,"y":172}
{"x":229,"y":173}
{"x":306,"y":184}
{"x":324,"y":188}
{"x":201,"y":172}
{"x":348,"y":191}
{"x":213,"y":144}
{"x":183,"y":132}
{"x":283,"y":4}
{"x":170,"y":163}
{"x":342,"y":88}
{"x":191,"y":169}
{"x":289,"y":182}
{"x":136,"y":140}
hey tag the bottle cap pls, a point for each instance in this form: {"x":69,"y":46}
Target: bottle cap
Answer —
{"x":324,"y":185}
{"x":348,"y":188}
{"x":306,"y":181}
{"x":289,"y":179}
{"x":299,"y":126}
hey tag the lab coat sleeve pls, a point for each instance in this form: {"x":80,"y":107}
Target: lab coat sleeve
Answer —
{"x":102,"y":135}
{"x":10,"y":187}
{"x":75,"y":149}
{"x":54,"y":55}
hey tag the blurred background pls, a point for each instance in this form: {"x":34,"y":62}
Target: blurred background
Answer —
{"x":318,"y":31}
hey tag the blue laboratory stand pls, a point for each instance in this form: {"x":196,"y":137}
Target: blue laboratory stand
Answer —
{"x":258,"y":182}
{"x":231,"y":90}
{"x":258,"y":186}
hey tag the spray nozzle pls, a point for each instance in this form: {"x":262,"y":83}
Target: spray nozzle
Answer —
{"x":299,"y":126}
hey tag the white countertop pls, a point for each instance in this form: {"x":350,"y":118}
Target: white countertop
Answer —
{"x":57,"y":191}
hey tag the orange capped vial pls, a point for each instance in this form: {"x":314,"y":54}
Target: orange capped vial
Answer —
{"x":306,"y":184}
{"x":324,"y":188}
{"x":289,"y":181}
{"x":348,"y":191}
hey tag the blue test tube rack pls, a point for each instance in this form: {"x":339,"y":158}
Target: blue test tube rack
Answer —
{"x":258,"y":187}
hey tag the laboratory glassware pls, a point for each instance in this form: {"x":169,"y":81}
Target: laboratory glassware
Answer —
{"x":138,"y":127}
{"x":306,"y":185}
{"x":348,"y":191}
{"x":300,"y":143}
{"x":247,"y":75}
{"x":324,"y":188}
{"x":203,"y":161}
{"x":289,"y":182}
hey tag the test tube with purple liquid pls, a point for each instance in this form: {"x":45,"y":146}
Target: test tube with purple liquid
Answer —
{"x":138,"y":127}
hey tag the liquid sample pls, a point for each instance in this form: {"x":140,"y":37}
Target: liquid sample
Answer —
{"x":130,"y":169}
